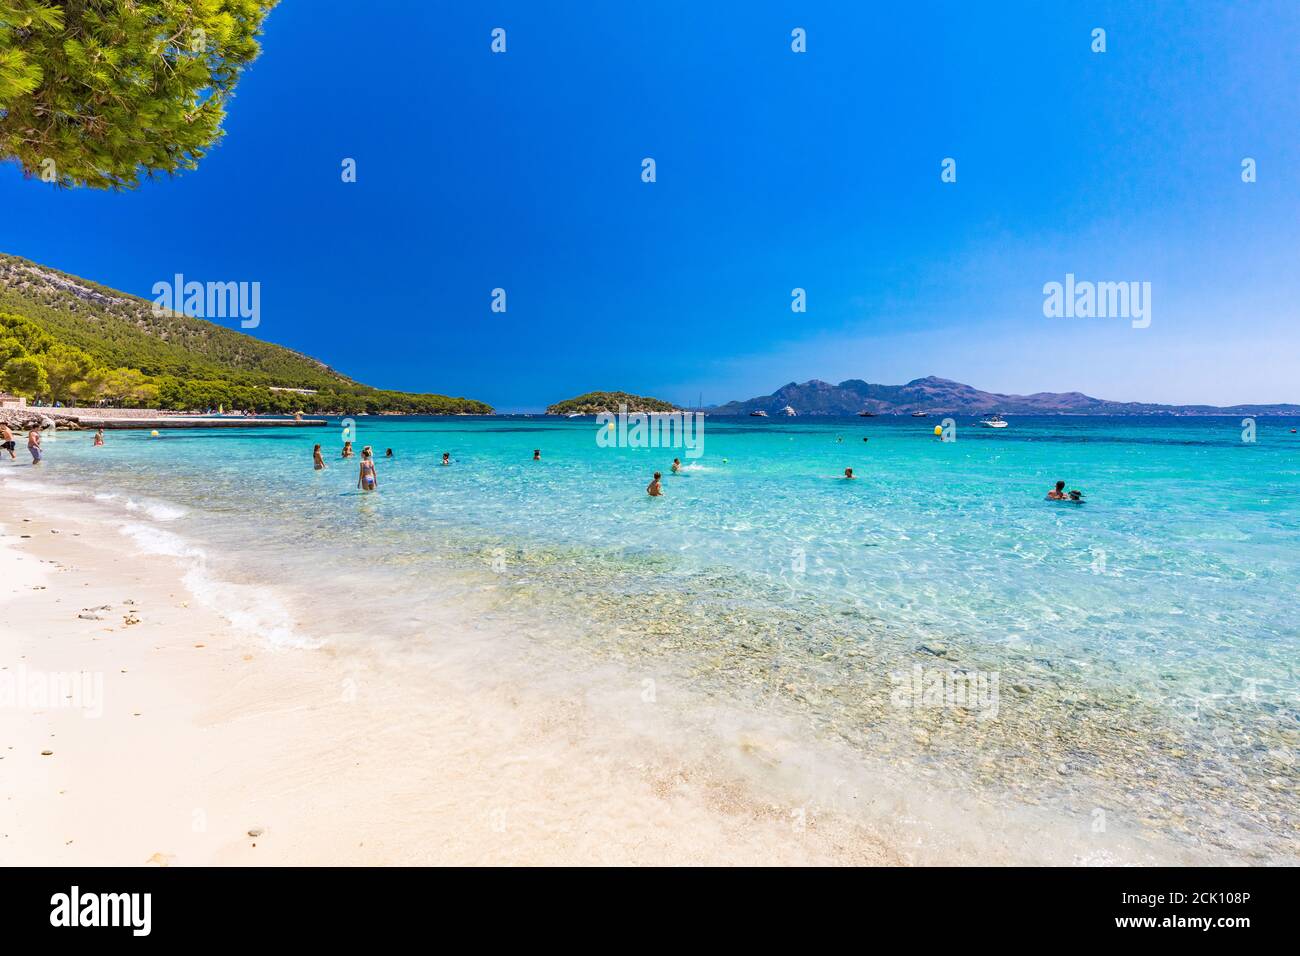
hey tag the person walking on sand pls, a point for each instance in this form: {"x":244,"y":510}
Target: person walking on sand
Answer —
{"x":655,"y":489}
{"x":34,"y":445}
{"x":317,"y":459}
{"x":7,"y":440}
{"x":99,"y":437}
{"x":368,"y":479}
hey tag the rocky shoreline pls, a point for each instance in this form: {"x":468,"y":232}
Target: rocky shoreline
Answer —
{"x":28,"y":418}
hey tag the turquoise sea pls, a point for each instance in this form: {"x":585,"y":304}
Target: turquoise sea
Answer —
{"x":1129,"y":664}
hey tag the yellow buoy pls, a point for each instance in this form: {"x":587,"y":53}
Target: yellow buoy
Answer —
{"x":938,"y":429}
{"x":154,"y":433}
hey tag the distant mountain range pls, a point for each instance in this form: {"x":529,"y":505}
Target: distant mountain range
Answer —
{"x":935,"y":395}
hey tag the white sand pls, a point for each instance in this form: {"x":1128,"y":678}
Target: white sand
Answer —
{"x":207,"y":734}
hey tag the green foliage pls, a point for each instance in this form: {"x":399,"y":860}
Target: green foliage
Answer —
{"x":24,"y":375}
{"x":96,"y":92}
{"x":93,"y":343}
{"x":593,"y":403}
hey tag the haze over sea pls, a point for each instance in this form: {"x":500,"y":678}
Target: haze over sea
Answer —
{"x":1141,"y":648}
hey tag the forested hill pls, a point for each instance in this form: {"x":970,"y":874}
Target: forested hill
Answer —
{"x":192,"y":363}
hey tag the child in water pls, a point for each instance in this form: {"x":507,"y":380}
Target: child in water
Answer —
{"x":368,"y":480}
{"x":389,"y":453}
{"x":677,"y":465}
{"x":848,"y":473}
{"x":347,"y":449}
{"x":446,"y":458}
{"x":99,"y":437}
{"x":317,"y":459}
{"x":655,"y":488}
{"x":537,"y":454}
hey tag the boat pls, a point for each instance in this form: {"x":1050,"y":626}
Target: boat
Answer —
{"x":758,"y":414}
{"x":789,"y":412}
{"x":866,"y":414}
{"x":993,"y":421}
{"x":919,"y":414}
{"x":574,"y":415}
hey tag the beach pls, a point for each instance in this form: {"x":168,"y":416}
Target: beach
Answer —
{"x":208,"y":748}
{"x":518,"y":661}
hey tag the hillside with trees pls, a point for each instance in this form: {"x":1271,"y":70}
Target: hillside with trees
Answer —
{"x":65,"y":339}
{"x":593,"y":403}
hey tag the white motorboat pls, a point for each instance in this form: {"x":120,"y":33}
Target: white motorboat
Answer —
{"x":993,"y":421}
{"x":789,"y":412}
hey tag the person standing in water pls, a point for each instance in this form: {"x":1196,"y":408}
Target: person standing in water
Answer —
{"x":34,"y":445}
{"x":7,"y":440}
{"x":677,"y":466}
{"x":317,"y":459}
{"x":537,"y":454}
{"x":389,"y":453}
{"x":99,"y":437}
{"x":347,"y":449}
{"x":655,"y":488}
{"x":1057,"y":493}
{"x":848,"y":473}
{"x":368,"y":479}
{"x":446,"y":458}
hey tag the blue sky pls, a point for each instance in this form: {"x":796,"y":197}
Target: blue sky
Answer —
{"x":775,"y":170}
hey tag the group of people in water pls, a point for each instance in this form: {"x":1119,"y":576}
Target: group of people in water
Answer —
{"x":368,"y":478}
{"x":9,"y":444}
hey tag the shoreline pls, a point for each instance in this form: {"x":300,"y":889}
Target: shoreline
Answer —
{"x":207,"y":736}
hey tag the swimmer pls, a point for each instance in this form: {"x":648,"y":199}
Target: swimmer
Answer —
{"x":317,"y":459}
{"x":537,"y":454}
{"x":99,"y":437}
{"x":389,"y":453}
{"x":446,"y":458}
{"x":848,"y":473}
{"x":7,"y":440}
{"x":368,"y":479}
{"x":677,"y":466}
{"x":1057,"y":493}
{"x":347,"y":449}
{"x":655,"y":489}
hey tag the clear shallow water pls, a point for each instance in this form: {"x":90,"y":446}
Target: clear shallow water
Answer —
{"x":1143,"y":645}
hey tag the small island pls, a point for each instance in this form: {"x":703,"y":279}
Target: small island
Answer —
{"x":593,"y":403}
